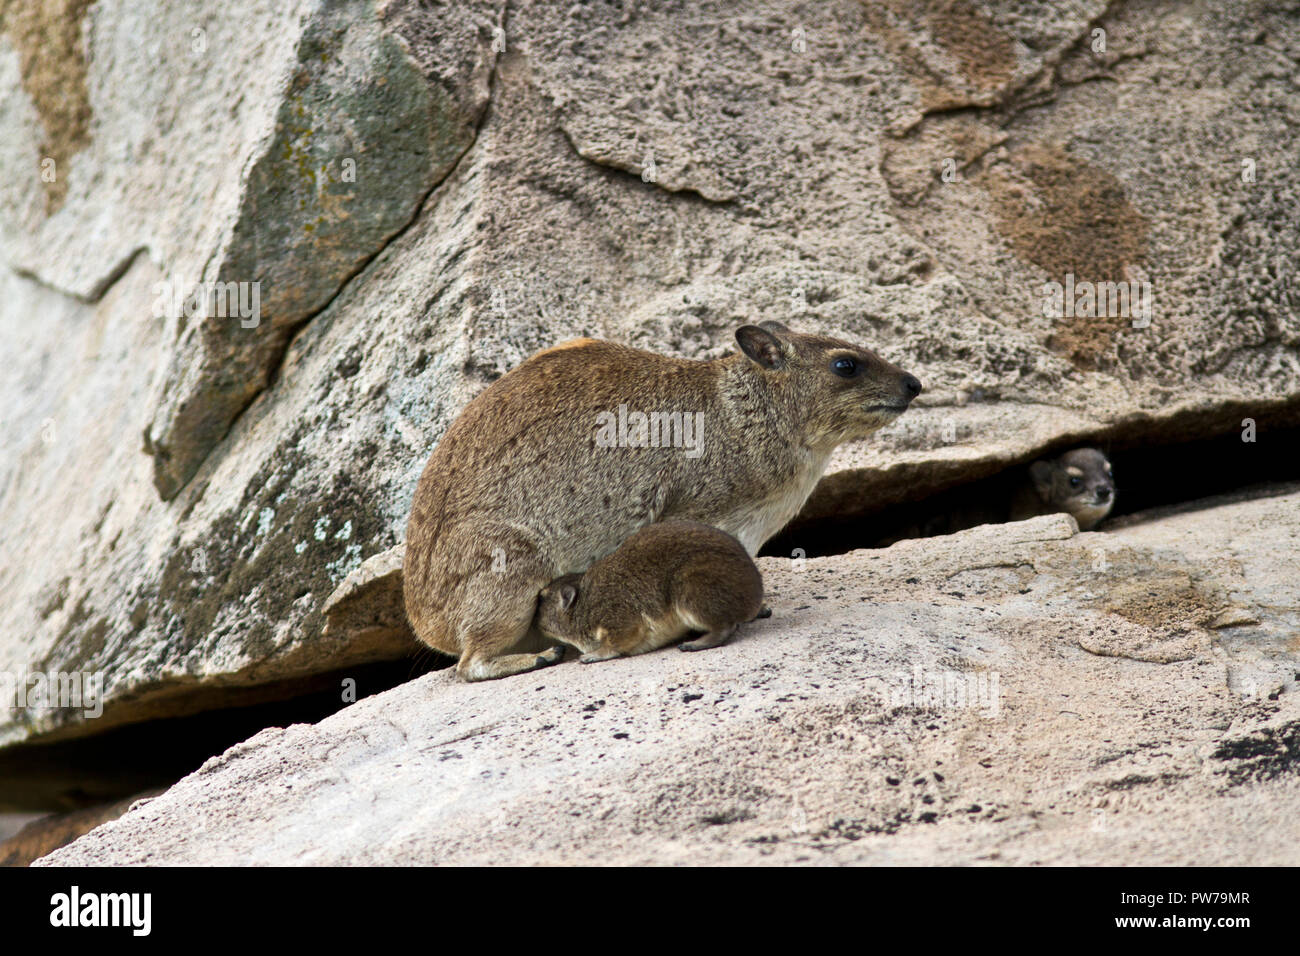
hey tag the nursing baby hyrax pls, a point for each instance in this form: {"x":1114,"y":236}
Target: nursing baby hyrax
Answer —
{"x":1078,"y":482}
{"x":664,"y":581}
{"x":556,"y":463}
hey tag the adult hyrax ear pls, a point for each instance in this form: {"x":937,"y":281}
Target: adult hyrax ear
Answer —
{"x":761,"y":346}
{"x":775,"y":327}
{"x":1040,"y":472}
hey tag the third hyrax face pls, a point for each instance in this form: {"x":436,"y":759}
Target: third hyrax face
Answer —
{"x":1079,"y":482}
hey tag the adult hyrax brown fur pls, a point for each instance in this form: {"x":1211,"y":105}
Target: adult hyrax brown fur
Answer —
{"x":522,"y":489}
{"x":662,"y":583}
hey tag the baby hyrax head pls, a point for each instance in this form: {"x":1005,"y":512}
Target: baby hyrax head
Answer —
{"x":555,"y":613}
{"x":1079,"y":482}
{"x":841,"y":391}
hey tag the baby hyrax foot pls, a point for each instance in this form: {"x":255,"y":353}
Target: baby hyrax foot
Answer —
{"x":663,"y":582}
{"x":709,"y":639}
{"x":552,"y":656}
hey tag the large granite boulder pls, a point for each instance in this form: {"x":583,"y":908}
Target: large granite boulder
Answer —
{"x":184,"y":488}
{"x":1016,"y":693}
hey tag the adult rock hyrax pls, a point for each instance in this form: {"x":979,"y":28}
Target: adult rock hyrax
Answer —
{"x":556,"y":463}
{"x":663,"y":582}
{"x":1079,"y":482}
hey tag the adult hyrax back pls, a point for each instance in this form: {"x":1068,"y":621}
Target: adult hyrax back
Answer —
{"x":532,"y":481}
{"x":663,"y":582}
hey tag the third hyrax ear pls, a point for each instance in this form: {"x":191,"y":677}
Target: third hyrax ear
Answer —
{"x":761,"y":346}
{"x":1040,"y":472}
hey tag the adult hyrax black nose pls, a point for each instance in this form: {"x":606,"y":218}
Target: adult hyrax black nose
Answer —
{"x":912,"y":386}
{"x":1103,"y":493}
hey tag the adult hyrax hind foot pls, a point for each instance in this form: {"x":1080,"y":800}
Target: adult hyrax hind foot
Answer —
{"x":486,"y":619}
{"x":663,"y":582}
{"x":709,"y":639}
{"x":490,"y":668}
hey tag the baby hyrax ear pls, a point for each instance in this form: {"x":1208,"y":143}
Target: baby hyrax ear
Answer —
{"x":567,"y":595}
{"x":775,"y":327}
{"x":761,"y":346}
{"x":1040,"y":472}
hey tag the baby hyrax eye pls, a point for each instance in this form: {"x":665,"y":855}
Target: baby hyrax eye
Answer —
{"x":1075,"y":481}
{"x":845,"y":367}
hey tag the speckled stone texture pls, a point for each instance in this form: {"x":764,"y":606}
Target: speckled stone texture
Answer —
{"x":1016,"y":694}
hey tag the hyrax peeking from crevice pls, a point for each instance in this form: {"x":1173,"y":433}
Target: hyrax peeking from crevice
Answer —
{"x":663,"y":582}
{"x":555,"y":464}
{"x":1079,"y":483}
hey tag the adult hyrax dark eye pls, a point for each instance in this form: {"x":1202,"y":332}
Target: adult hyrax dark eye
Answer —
{"x":844,"y":367}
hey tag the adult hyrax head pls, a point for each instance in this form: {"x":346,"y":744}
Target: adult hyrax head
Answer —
{"x":663,"y":582}
{"x":846,"y":391}
{"x":556,"y":463}
{"x":1079,"y":482}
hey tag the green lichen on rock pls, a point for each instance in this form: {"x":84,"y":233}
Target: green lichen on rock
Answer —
{"x":252,"y":558}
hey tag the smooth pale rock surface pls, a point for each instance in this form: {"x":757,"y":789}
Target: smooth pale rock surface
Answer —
{"x":1018,"y":694}
{"x":179,"y":499}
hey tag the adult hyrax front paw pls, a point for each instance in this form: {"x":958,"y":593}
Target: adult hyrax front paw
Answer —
{"x":552,"y":466}
{"x":665,"y":581}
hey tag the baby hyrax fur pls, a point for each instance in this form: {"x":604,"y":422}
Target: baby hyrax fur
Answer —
{"x":556,"y":463}
{"x":662,"y":583}
{"x":1078,"y":482}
